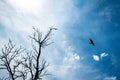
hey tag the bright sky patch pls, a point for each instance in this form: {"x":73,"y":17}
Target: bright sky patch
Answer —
{"x":27,"y":5}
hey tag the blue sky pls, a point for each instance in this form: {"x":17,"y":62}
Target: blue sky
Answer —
{"x":71,"y":57}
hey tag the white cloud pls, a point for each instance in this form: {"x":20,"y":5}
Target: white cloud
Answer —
{"x":71,"y":57}
{"x":102,"y":55}
{"x":96,"y":57}
{"x":63,"y":60}
{"x":107,"y":13}
{"x":110,"y":78}
{"x":77,"y":57}
{"x":71,"y":60}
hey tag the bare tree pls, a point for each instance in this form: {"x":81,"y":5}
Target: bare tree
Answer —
{"x":31,"y":66}
{"x":9,"y":56}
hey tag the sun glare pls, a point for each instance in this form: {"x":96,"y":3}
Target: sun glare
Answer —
{"x":27,"y":5}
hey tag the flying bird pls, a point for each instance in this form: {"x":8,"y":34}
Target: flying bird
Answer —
{"x":91,"y":42}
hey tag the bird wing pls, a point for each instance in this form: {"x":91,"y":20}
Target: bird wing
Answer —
{"x":91,"y":42}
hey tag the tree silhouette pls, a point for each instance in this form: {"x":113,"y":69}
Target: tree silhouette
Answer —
{"x":31,"y":66}
{"x":10,"y":54}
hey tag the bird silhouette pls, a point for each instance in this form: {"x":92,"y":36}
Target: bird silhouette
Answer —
{"x":91,"y":42}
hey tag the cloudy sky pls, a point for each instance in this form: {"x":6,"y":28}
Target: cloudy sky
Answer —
{"x":71,"y":57}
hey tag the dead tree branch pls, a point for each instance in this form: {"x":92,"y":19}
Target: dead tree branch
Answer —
{"x":31,"y":66}
{"x":9,"y":54}
{"x":32,"y":63}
